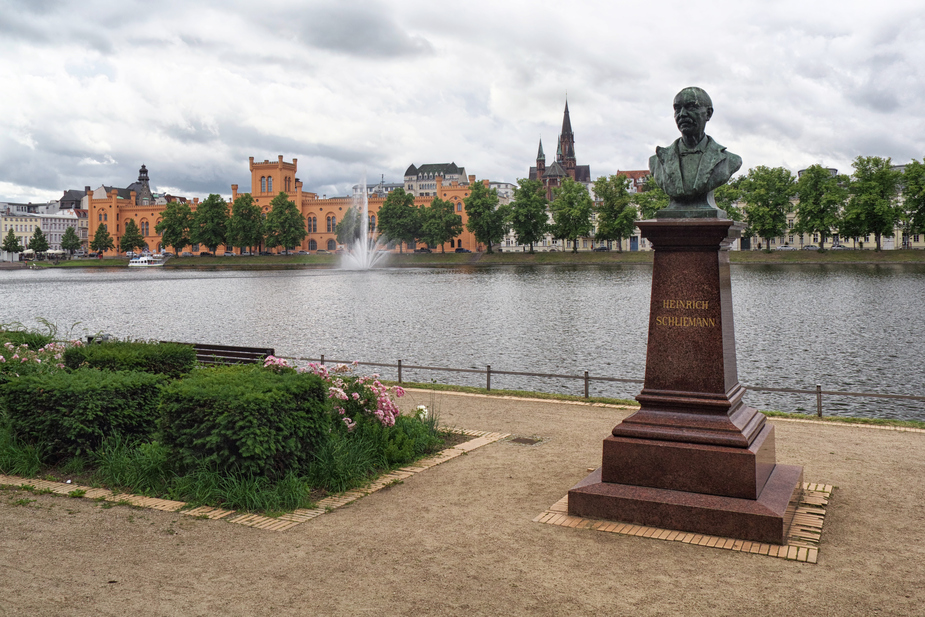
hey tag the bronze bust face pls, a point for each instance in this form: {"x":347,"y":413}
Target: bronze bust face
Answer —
{"x":694,"y":165}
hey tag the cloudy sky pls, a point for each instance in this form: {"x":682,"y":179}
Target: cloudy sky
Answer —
{"x":92,"y":89}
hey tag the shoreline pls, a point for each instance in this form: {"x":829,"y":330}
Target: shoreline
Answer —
{"x":430,"y":260}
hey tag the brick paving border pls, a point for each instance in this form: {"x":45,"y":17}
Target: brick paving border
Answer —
{"x":802,"y":543}
{"x":279,"y":523}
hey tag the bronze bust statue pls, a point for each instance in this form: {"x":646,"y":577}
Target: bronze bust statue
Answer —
{"x":694,"y":165}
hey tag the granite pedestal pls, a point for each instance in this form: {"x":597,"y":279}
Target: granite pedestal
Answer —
{"x":694,"y":457}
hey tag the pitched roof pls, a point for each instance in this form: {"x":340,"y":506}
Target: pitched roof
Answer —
{"x":555,"y":171}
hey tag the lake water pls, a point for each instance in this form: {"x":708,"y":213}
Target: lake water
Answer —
{"x":854,"y":328}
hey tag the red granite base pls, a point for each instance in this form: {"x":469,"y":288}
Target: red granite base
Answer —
{"x":691,"y":467}
{"x":766,"y":519}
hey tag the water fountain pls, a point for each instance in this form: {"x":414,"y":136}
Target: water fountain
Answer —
{"x":363,"y":252}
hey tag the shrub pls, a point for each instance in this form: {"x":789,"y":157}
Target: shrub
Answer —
{"x":32,"y":339}
{"x":71,"y":413}
{"x":172,"y":359}
{"x":142,"y":467}
{"x":245,"y":419}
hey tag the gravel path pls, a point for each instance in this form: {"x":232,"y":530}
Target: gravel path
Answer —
{"x":458,"y":539}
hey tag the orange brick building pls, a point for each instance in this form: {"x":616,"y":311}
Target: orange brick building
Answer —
{"x":268,"y":178}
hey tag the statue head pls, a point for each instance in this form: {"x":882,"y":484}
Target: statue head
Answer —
{"x":692,"y":110}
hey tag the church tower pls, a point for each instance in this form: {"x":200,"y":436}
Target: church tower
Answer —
{"x":565,"y":154}
{"x":540,"y":161}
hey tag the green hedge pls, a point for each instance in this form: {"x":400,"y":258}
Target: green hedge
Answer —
{"x":70,"y":413}
{"x":245,"y":418}
{"x":173,"y":359}
{"x":34,"y":340}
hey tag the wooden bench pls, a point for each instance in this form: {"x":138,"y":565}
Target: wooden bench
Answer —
{"x":225,"y":354}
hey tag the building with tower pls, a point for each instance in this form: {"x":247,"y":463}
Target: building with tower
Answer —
{"x":565,"y":164}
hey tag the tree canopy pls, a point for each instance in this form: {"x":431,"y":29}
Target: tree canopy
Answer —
{"x":245,"y":227}
{"x":174,"y":226}
{"x":766,"y":192}
{"x":616,"y":213}
{"x":872,"y":206}
{"x":821,"y":197}
{"x":348,"y":230}
{"x":102,"y":240}
{"x":210,"y":222}
{"x":70,"y":242}
{"x":11,"y":243}
{"x":726,"y":197}
{"x":285,"y":225}
{"x":529,"y":216}
{"x":488,"y":219}
{"x":440,"y":223}
{"x":650,"y":199}
{"x":38,"y":242}
{"x":913,"y":192}
{"x":131,"y":238}
{"x":399,"y":219}
{"x":571,"y":212}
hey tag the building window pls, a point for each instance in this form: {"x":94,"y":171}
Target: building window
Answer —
{"x":145,"y":229}
{"x":332,"y":245}
{"x":195,"y":248}
{"x":269,"y":184}
{"x":312,"y":225}
{"x":915,"y":238}
{"x":312,"y":245}
{"x":263,"y":184}
{"x":332,"y":223}
{"x":372,"y":223}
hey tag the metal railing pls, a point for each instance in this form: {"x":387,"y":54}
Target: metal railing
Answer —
{"x":587,"y":379}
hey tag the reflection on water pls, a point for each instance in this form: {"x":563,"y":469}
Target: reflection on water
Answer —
{"x":847,"y":327}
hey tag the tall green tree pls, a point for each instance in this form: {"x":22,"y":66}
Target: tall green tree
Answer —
{"x":38,"y":242}
{"x":529,"y":212}
{"x":440,"y":223}
{"x":650,"y":199}
{"x":285,"y":225}
{"x":488,"y":219}
{"x":348,"y":230}
{"x":727,"y":197}
{"x":11,"y":243}
{"x":616,"y":213}
{"x":872,"y":202}
{"x":102,"y":241}
{"x":245,"y":227}
{"x":174,"y":226}
{"x":399,"y":219}
{"x":70,"y":242}
{"x":766,"y":192}
{"x":210,"y":222}
{"x":913,"y":201}
{"x":571,"y":212}
{"x":131,"y":238}
{"x":821,"y":198}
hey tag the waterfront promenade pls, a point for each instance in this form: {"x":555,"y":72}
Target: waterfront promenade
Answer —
{"x":459,"y":539}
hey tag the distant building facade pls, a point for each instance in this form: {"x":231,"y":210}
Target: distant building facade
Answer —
{"x":422,"y":181}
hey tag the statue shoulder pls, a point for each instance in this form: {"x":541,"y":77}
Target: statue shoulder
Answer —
{"x":734,"y":161}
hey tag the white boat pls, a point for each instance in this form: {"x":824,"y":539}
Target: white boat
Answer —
{"x":146,"y":261}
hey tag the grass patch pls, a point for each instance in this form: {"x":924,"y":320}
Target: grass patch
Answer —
{"x":848,"y":419}
{"x":514,"y":393}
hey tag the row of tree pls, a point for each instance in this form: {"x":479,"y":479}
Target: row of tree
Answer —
{"x":212,"y":225}
{"x":528,"y":215}
{"x":39,"y":243}
{"x":875,"y":199}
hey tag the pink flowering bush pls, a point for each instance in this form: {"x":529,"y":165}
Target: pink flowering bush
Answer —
{"x":358,"y":398}
{"x":18,"y":360}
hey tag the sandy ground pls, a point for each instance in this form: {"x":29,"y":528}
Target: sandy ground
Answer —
{"x":458,"y":540}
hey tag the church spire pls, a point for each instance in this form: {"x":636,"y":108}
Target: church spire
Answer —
{"x":539,"y":155}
